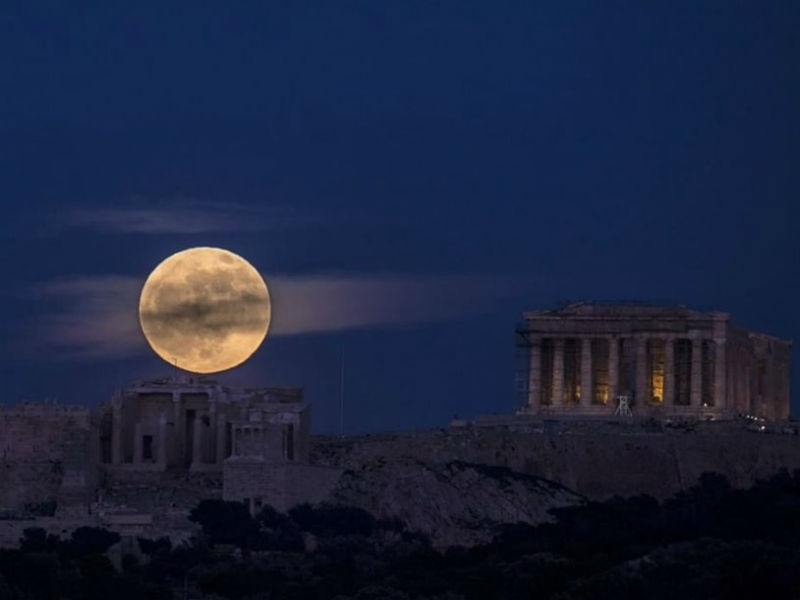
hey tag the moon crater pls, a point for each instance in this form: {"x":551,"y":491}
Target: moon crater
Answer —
{"x":205,"y":310}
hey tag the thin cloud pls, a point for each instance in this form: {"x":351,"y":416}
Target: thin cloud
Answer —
{"x":185,"y":218}
{"x":326,"y":303}
{"x":97,"y":317}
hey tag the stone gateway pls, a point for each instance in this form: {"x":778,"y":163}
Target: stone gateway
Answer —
{"x":196,"y":423}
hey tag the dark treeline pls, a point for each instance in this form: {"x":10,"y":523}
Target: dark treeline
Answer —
{"x":708,"y":542}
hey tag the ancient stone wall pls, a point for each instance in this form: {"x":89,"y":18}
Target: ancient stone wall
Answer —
{"x":155,"y":492}
{"x":281,"y":485}
{"x":29,"y":486}
{"x":47,"y":458}
{"x":36,"y":431}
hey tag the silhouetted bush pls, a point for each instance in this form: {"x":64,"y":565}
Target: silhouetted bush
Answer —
{"x":235,"y":581}
{"x":379,"y":592}
{"x":91,"y":540}
{"x":226,"y":523}
{"x":151,"y":547}
{"x":37,"y":573}
{"x":709,"y":541}
{"x":333,"y":519}
{"x":278,"y":531}
{"x":36,"y":539}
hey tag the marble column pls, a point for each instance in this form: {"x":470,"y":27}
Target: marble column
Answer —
{"x":587,"y":391}
{"x":641,"y":399}
{"x":197,"y":441}
{"x":221,"y":429}
{"x":613,"y":370}
{"x":116,"y":431}
{"x":669,"y":371}
{"x":558,"y":373}
{"x":211,"y":442}
{"x":180,"y":433}
{"x":162,"y":441}
{"x":137,"y":443}
{"x":535,"y":375}
{"x":720,"y":374}
{"x":697,"y":372}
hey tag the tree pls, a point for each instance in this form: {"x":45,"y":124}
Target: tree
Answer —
{"x":333,"y":519}
{"x":226,"y":523}
{"x":91,"y":540}
{"x":36,"y":539}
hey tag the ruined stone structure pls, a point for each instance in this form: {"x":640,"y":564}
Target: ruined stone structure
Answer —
{"x":586,"y":359}
{"x":36,"y":430}
{"x":48,"y":458}
{"x":139,"y":463}
{"x":195,"y":424}
{"x":250,"y":438}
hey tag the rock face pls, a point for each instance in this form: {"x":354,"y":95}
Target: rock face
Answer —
{"x":454,"y":503}
{"x":596,"y":459}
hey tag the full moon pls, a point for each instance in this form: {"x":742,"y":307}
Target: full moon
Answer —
{"x":205,"y":310}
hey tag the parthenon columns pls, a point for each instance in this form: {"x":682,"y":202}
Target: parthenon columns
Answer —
{"x":720,"y":376}
{"x":667,"y":361}
{"x":558,"y":373}
{"x":669,"y":371}
{"x":551,"y":359}
{"x":697,"y":372}
{"x":535,"y":375}
{"x":613,"y":370}
{"x":586,"y":372}
{"x":641,"y":372}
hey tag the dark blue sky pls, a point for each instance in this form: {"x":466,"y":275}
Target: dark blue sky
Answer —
{"x":437,"y":167}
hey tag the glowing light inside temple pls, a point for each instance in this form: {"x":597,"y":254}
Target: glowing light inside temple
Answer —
{"x":658,"y":385}
{"x":657,"y":371}
{"x":602,"y":394}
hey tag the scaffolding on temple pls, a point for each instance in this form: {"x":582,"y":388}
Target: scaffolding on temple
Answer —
{"x":522,"y":366}
{"x":623,"y":407}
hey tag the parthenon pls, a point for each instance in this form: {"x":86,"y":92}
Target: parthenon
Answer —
{"x":587,"y":358}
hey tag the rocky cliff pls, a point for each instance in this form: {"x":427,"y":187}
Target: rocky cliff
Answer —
{"x":454,"y":503}
{"x":596,"y":459}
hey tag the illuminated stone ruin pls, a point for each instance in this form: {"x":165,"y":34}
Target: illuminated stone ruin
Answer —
{"x":586,"y":358}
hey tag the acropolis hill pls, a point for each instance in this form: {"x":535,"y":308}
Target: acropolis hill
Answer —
{"x":701,"y":396}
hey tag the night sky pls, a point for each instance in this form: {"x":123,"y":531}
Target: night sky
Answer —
{"x":408,"y":177}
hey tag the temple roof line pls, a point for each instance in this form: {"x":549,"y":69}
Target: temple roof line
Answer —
{"x":627,"y":310}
